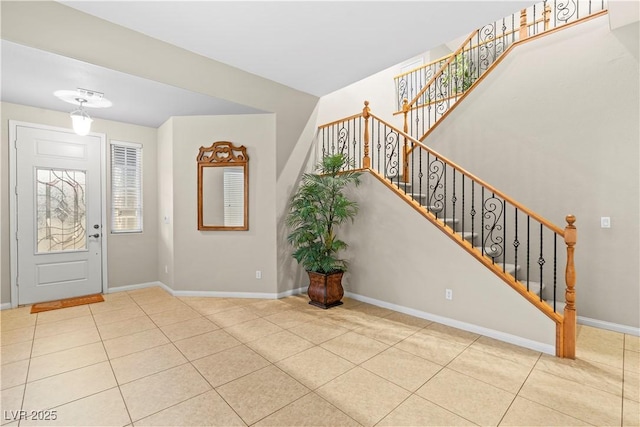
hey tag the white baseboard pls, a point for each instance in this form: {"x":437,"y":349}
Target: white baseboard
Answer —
{"x":223,"y":294}
{"x":212,"y":294}
{"x":491,"y":333}
{"x":5,"y":306}
{"x":139,"y":286}
{"x":292,"y":292}
{"x":615,"y":327}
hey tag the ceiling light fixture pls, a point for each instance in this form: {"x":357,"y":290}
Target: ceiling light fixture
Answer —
{"x":80,"y":119}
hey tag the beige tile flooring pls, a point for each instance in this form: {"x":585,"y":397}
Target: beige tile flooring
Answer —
{"x":146,"y":358}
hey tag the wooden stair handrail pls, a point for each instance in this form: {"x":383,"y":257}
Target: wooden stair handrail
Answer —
{"x":335,"y":122}
{"x":471,"y":176}
{"x":447,"y":56}
{"x":441,"y":70}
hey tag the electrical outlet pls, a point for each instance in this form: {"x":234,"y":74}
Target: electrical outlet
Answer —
{"x":448,"y":294}
{"x":605,"y":222}
{"x":258,"y":274}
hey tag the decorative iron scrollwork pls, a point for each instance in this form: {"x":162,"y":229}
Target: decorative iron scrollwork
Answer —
{"x":392,"y":161}
{"x":402,"y":91}
{"x":565,"y":10}
{"x":492,"y":208}
{"x":436,"y":187}
{"x":343,"y":138}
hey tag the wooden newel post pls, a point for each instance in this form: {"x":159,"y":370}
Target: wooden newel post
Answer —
{"x":547,"y":17}
{"x":366,"y":160}
{"x":405,"y":151}
{"x":570,"y":317}
{"x":523,"y":24}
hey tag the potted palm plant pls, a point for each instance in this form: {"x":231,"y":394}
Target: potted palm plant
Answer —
{"x":315,"y":210}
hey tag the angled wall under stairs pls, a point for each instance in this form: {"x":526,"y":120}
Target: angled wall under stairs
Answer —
{"x":398,"y":257}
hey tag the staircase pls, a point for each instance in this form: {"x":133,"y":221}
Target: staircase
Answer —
{"x":427,"y":94}
{"x":519,"y":246}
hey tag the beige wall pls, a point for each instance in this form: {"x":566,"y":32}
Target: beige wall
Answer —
{"x":165,"y":203}
{"x":132,"y":258}
{"x":224,"y":261}
{"x":556,"y":127}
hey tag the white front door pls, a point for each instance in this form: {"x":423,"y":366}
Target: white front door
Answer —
{"x":58,"y":215}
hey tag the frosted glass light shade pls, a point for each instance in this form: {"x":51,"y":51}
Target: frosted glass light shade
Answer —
{"x":81,"y":122}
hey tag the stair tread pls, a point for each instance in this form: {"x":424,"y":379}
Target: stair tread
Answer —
{"x":466,"y":235}
{"x":559,"y":304}
{"x":534,"y":286}
{"x":488,"y":251}
{"x":510,"y":268}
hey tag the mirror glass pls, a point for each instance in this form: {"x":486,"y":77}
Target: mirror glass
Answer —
{"x":222,"y":187}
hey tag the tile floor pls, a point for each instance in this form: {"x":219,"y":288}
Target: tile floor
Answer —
{"x":145,"y":358}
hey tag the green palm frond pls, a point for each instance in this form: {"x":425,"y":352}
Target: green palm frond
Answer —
{"x":317,"y":207}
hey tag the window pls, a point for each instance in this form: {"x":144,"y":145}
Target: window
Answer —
{"x":233,"y":197}
{"x":126,"y":187}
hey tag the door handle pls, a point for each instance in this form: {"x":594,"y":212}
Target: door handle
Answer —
{"x":94,"y":235}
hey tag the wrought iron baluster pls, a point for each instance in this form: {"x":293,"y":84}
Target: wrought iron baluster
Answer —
{"x":473,"y":211}
{"x":444,"y":198}
{"x":482,"y":220}
{"x":453,"y":201}
{"x":413,"y":171}
{"x":462,"y":210}
{"x":504,"y":236}
{"x":356,"y":161}
{"x":493,"y":212}
{"x":378,"y":146}
{"x":428,"y":201}
{"x":333,"y":139}
{"x":528,"y":247}
{"x":516,"y":243}
{"x":555,"y":268}
{"x":420,"y":174}
{"x":541,"y":261}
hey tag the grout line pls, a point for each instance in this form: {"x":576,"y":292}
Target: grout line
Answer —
{"x":296,"y":309}
{"x":517,"y":394}
{"x":126,"y":407}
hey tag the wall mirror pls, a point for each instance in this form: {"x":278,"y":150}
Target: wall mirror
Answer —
{"x":223,"y":187}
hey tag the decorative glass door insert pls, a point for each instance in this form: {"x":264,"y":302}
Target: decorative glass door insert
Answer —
{"x":60,"y":210}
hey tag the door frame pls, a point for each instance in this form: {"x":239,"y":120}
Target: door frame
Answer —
{"x":13,"y":219}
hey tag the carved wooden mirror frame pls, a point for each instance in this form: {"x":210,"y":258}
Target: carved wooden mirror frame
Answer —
{"x":222,"y":154}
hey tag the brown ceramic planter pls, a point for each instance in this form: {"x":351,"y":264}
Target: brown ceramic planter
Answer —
{"x":325,"y":290}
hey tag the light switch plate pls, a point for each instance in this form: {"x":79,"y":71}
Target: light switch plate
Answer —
{"x":605,"y":222}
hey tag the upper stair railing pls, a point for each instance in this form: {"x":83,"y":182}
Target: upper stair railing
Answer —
{"x":426,"y":94}
{"x":515,"y":243}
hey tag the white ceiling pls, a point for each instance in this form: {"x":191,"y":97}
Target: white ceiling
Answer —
{"x":30,"y":76}
{"x":314,"y":46}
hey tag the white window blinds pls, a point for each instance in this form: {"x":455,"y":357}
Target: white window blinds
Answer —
{"x":233,"y":197}
{"x":126,"y":187}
